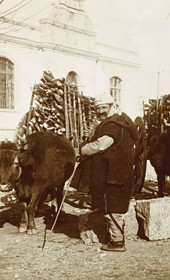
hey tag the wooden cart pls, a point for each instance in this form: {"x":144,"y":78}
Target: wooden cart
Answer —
{"x":155,"y":121}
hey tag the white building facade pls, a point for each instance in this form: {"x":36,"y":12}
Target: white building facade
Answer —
{"x":64,"y":42}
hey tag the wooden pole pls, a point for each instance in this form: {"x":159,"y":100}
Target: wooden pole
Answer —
{"x":66,"y":111}
{"x":80,"y":117}
{"x":75,"y":119}
{"x":83,"y":115}
{"x":29,"y":113}
{"x":70,"y":116}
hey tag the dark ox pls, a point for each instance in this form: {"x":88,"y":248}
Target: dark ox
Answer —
{"x":44,"y":163}
{"x":8,"y":152}
{"x":159,"y":156}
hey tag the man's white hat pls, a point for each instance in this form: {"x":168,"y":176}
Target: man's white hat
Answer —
{"x":104,"y":99}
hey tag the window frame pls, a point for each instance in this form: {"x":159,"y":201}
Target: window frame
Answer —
{"x":115,"y":89}
{"x":6,"y":84}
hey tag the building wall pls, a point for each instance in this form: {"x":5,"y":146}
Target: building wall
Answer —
{"x":61,"y":47}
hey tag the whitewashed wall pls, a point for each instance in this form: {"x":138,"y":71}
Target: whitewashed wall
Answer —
{"x":61,"y":48}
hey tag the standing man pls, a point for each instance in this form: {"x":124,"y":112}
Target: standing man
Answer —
{"x":106,"y":168}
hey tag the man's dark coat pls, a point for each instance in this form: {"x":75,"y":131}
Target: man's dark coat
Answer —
{"x":108,"y":176}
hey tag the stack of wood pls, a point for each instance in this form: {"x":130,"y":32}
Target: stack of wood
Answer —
{"x":58,"y":107}
{"x":48,"y":105}
{"x":156,"y":116}
{"x":165,"y":110}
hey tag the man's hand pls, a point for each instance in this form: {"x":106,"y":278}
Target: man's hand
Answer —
{"x":86,"y":135}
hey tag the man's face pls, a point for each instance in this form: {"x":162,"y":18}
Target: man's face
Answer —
{"x":102,"y":111}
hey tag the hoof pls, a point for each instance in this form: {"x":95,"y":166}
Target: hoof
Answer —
{"x":22,"y":228}
{"x":32,"y":231}
{"x":160,"y":194}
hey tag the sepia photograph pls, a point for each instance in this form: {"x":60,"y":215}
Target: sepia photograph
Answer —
{"x":84,"y":139}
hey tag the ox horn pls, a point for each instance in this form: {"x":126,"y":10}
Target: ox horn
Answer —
{"x":22,"y":139}
{"x":16,"y":162}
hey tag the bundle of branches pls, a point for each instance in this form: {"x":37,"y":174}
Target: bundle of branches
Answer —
{"x":79,"y":113}
{"x":157,"y":116}
{"x":58,"y":107}
{"x":165,"y":110}
{"x":48,"y":104}
{"x":46,"y":108}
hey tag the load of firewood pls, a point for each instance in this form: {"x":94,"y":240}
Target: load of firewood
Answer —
{"x":165,"y":109}
{"x":58,"y":107}
{"x":157,"y":116}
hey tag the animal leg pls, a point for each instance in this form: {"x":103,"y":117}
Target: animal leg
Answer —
{"x":59,"y":195}
{"x":24,"y":217}
{"x":32,"y":208}
{"x":59,"y":201}
{"x":161,"y":184}
{"x":56,"y":200}
{"x":53,"y":203}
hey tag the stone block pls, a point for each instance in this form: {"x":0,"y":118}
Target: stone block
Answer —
{"x":154,"y":218}
{"x":131,"y":223}
{"x":93,"y":225}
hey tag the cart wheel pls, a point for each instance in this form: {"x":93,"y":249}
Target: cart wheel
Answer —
{"x":140,"y":157}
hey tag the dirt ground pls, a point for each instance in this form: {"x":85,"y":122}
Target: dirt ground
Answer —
{"x":66,"y":257}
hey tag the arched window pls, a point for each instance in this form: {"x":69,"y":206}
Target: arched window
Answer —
{"x":72,"y":79}
{"x":6,"y":84}
{"x":115,"y":89}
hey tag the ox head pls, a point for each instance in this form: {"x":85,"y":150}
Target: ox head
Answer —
{"x":10,"y":169}
{"x":8,"y":154}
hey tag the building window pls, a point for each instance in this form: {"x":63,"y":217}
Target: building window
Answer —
{"x":72,"y":79}
{"x":6,"y":84}
{"x":115,"y":89}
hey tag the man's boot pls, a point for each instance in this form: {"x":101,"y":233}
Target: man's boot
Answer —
{"x":112,"y":246}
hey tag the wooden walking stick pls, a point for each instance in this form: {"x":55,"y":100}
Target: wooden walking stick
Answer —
{"x":67,"y":184}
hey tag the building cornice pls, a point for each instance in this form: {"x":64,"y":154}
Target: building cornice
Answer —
{"x":19,"y":23}
{"x":120,"y":62}
{"x":67,"y":50}
{"x":117,"y":48}
{"x":65,"y":26}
